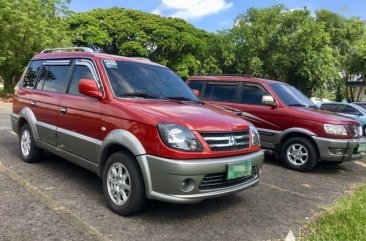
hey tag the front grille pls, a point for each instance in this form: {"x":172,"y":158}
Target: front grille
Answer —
{"x":218,"y":180}
{"x":355,"y":131}
{"x":227,"y":141}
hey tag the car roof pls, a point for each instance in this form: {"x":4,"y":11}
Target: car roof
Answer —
{"x":230,"y":78}
{"x":90,"y":55}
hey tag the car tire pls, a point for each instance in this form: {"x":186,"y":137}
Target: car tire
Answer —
{"x":28,"y":150}
{"x":364,"y":130}
{"x":123,"y":184}
{"x":299,"y":154}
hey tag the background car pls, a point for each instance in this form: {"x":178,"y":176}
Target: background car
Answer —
{"x":347,"y":109}
{"x":361,"y":104}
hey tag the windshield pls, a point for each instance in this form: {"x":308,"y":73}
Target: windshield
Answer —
{"x":129,"y":79}
{"x":291,"y":96}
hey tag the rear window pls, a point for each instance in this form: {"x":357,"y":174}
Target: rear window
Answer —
{"x":32,"y":73}
{"x":220,"y":92}
{"x":55,"y":79}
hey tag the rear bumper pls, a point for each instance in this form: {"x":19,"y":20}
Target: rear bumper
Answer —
{"x":327,"y":149}
{"x":14,"y":118}
{"x":164,"y":177}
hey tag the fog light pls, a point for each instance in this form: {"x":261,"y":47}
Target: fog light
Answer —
{"x":187,"y":185}
{"x":336,"y":151}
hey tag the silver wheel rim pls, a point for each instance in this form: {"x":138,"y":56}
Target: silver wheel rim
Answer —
{"x":118,"y":183}
{"x":25,"y":143}
{"x":297,"y":154}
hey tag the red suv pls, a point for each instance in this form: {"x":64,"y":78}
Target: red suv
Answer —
{"x":289,"y":124}
{"x":134,"y":123}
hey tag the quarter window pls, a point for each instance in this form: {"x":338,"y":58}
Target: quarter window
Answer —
{"x":81,"y":72}
{"x":220,"y":92}
{"x":332,"y":108}
{"x":346,"y":109}
{"x":55,"y":79}
{"x":31,"y":76}
{"x":252,"y":95}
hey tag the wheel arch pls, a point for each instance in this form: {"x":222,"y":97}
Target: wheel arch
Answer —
{"x":296,"y":132}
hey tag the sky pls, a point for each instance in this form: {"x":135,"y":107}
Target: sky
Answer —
{"x":215,"y":15}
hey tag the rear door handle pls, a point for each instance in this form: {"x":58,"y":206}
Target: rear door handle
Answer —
{"x":63,"y":110}
{"x":33,"y":103}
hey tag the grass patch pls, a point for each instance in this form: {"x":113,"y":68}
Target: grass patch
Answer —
{"x":345,"y":220}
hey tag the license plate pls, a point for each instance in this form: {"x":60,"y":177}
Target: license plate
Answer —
{"x":361,"y":147}
{"x":240,"y":169}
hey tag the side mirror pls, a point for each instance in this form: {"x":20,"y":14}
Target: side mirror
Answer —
{"x":268,"y":100}
{"x":196,"y":92}
{"x":90,"y":88}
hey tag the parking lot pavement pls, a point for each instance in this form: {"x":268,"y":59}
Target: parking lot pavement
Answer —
{"x":56,"y":200}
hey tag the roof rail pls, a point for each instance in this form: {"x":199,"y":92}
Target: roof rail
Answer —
{"x":69,"y":49}
{"x":240,"y":75}
{"x":141,"y":58}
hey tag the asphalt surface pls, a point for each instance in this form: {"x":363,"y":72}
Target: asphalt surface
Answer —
{"x":57,"y":200}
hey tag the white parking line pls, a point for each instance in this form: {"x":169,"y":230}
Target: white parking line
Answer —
{"x":61,"y":210}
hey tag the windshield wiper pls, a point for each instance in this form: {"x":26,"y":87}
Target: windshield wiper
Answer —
{"x":139,"y":94}
{"x":300,"y":105}
{"x":182,"y":98}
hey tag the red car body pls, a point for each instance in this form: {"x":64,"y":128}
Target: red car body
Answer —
{"x":88,"y":128}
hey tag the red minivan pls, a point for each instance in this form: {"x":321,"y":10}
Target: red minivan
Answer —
{"x":289,"y":124}
{"x":135,"y":124}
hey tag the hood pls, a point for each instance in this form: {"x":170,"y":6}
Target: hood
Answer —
{"x":193,"y":116}
{"x":321,"y":115}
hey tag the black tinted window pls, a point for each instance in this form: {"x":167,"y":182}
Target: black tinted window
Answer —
{"x":196,"y":85}
{"x":220,"y":92}
{"x":32,"y":73}
{"x":81,"y":72}
{"x":346,"y":109}
{"x":253,"y":95}
{"x":332,"y":108}
{"x":55,"y":79}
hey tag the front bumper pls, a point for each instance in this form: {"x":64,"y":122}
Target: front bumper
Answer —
{"x":349,"y":146}
{"x":164,"y":177}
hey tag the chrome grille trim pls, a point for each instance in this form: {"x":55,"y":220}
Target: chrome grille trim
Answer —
{"x":227,"y":141}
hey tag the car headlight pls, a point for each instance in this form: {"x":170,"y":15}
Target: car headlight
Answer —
{"x":255,"y":135}
{"x":179,"y":137}
{"x":335,"y":129}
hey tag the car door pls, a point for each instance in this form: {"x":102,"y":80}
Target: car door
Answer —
{"x":265,"y":118}
{"x":79,"y":123}
{"x":221,"y":94}
{"x":45,"y":98}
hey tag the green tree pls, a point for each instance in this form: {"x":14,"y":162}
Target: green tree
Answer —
{"x":278,"y":43}
{"x":27,"y":27}
{"x":169,"y":41}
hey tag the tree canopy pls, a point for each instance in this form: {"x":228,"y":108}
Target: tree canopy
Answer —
{"x":26,"y":28}
{"x":315,"y":51}
{"x":169,"y":41}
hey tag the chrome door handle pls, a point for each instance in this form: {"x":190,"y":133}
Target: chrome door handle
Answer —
{"x":63,"y":110}
{"x":33,"y":103}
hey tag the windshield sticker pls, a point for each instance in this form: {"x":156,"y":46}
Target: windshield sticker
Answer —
{"x":110,"y":64}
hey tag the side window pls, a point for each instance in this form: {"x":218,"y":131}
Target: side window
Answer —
{"x":32,"y":73}
{"x":81,"y":72}
{"x":253,"y":95}
{"x":220,"y":92}
{"x":332,"y":108}
{"x":346,"y":109}
{"x":42,"y":76}
{"x":196,"y":85}
{"x":55,"y":79}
